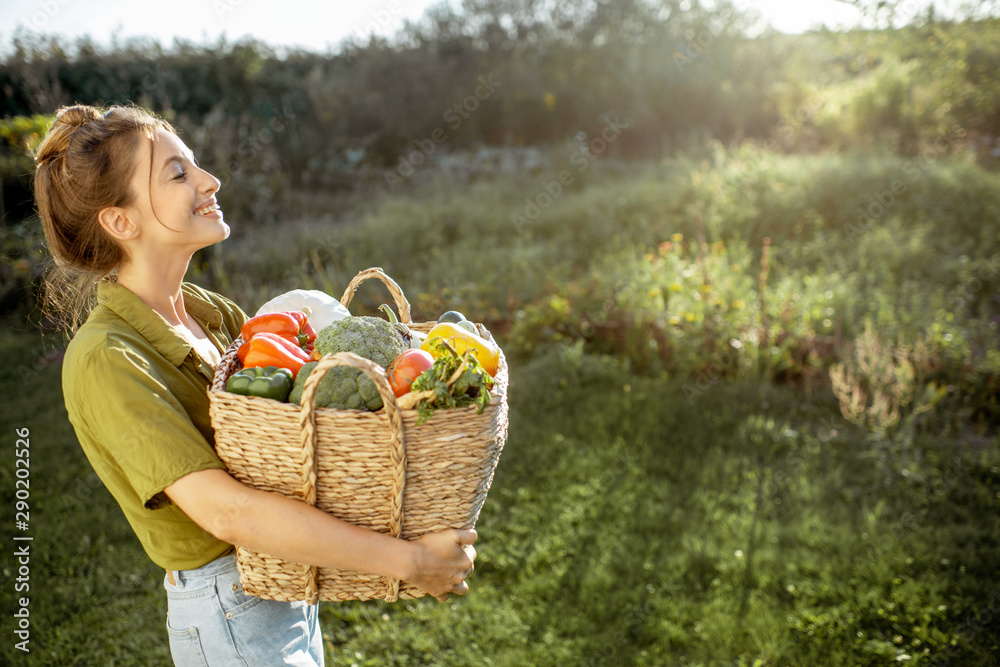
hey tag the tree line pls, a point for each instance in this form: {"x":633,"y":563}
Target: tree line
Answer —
{"x":520,"y":73}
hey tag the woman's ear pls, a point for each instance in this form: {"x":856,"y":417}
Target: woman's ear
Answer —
{"x":116,"y":222}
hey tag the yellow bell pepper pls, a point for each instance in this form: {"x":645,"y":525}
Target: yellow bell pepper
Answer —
{"x":461,"y":339}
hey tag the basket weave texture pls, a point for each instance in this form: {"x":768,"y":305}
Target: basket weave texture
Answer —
{"x":373,"y":469}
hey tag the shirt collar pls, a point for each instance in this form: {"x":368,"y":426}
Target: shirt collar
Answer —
{"x":151,"y":325}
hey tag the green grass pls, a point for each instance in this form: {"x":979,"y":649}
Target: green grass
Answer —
{"x":661,"y":499}
{"x":628,"y":524}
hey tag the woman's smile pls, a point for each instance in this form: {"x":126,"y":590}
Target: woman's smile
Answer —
{"x":210,"y":210}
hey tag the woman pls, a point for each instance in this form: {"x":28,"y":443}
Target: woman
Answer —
{"x":124,"y":207}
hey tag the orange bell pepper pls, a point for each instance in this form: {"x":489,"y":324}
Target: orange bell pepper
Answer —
{"x":270,"y":349}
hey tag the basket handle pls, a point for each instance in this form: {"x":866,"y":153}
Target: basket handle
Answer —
{"x":226,"y":367}
{"x":397,"y":446}
{"x":397,"y":294}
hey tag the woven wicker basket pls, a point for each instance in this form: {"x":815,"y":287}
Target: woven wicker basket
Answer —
{"x":374,"y":469}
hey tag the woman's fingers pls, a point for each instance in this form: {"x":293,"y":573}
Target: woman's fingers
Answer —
{"x":445,"y":566}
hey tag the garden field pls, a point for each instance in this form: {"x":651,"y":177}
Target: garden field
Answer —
{"x":753,"y":419}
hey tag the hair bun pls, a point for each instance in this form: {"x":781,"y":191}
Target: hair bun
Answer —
{"x":78,"y":115}
{"x":68,"y":119}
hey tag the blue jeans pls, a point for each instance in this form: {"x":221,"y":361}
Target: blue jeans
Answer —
{"x":211,"y":621}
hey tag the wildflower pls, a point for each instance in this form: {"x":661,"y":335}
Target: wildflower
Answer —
{"x":676,"y":238}
{"x":560,"y":305}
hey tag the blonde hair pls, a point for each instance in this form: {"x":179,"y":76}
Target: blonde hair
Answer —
{"x":85,"y":164}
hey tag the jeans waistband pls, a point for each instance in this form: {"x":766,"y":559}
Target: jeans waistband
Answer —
{"x":214,"y":568}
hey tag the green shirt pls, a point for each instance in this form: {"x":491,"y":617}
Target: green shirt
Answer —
{"x":136,"y":393}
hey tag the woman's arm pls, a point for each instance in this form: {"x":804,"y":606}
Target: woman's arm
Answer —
{"x":292,"y":530}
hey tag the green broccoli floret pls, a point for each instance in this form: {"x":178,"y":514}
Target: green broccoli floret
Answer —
{"x":342,"y":388}
{"x":370,"y":337}
{"x":347,"y":388}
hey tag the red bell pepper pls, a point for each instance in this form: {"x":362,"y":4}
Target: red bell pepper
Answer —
{"x":306,"y":333}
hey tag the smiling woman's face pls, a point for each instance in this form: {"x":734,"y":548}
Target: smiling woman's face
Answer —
{"x":175,"y":202}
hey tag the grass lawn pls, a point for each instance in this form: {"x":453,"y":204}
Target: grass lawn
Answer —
{"x":630,"y":523}
{"x":675,"y":504}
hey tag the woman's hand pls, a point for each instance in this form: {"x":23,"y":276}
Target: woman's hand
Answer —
{"x":443,"y":561}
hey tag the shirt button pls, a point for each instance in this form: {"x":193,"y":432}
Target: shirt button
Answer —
{"x":236,"y":587}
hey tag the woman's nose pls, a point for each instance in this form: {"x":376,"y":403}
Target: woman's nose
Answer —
{"x":211,"y":184}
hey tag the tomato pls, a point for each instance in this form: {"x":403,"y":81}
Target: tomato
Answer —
{"x":406,"y":368}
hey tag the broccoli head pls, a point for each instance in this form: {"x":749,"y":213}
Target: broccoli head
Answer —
{"x":369,"y":337}
{"x":343,"y":388}
{"x":346,"y":388}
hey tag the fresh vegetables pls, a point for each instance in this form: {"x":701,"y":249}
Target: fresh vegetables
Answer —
{"x":292,"y":325}
{"x":265,"y":382}
{"x":270,"y":349}
{"x":343,"y":387}
{"x":461,"y":340}
{"x":370,"y":337}
{"x":325,"y":310}
{"x":413,"y":338}
{"x":307,"y":334}
{"x":451,"y":366}
{"x":417,"y":339}
{"x":454,"y":380}
{"x":406,"y":368}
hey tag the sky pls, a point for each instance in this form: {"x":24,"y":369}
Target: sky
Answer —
{"x":315,"y":25}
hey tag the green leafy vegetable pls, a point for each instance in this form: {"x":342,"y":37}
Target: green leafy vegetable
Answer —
{"x":454,"y":381}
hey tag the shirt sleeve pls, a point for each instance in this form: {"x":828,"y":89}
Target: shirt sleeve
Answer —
{"x":136,"y":433}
